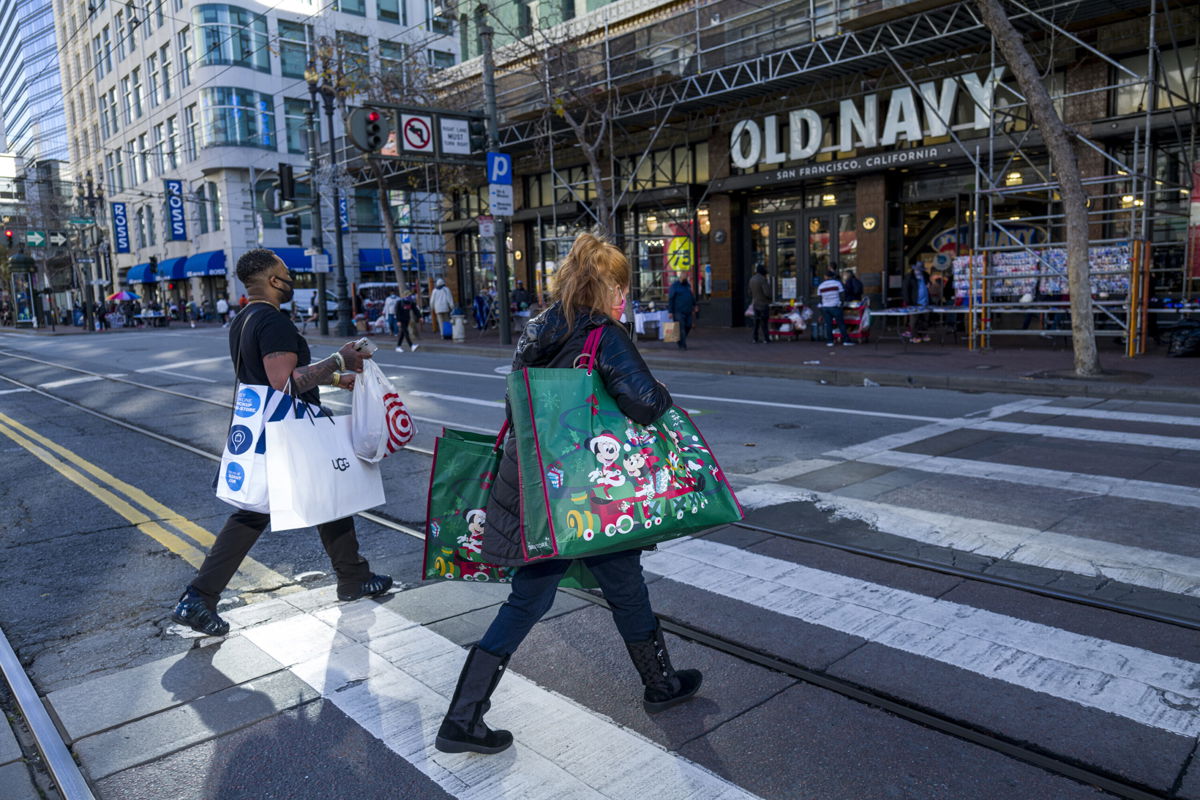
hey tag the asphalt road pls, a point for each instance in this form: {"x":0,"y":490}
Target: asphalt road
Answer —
{"x":101,"y":527}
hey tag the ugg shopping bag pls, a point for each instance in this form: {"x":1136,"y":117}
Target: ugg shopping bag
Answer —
{"x":313,"y":475}
{"x":464,"y":466}
{"x":593,"y":481}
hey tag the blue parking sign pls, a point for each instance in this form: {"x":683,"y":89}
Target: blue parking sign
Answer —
{"x":499,"y":168}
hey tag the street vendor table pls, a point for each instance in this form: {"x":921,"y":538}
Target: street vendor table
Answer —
{"x":658,"y":318}
{"x":155,"y":319}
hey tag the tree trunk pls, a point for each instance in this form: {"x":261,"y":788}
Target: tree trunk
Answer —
{"x":1066,"y":164}
{"x":389,"y":227}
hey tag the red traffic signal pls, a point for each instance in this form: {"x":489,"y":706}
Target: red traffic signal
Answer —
{"x":372,"y":116}
{"x":8,"y":236}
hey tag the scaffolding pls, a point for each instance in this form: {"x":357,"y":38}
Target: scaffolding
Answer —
{"x":663,"y":72}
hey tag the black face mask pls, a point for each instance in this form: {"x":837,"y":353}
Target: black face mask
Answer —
{"x":288,"y":292}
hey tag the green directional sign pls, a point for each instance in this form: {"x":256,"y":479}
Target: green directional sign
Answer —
{"x":82,"y":220}
{"x":35,"y":238}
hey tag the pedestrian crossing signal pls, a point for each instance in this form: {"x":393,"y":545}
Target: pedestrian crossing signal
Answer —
{"x":291,"y":226}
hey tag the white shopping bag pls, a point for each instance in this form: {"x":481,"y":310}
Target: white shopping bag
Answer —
{"x":242,"y":479}
{"x":380,"y":424}
{"x":313,"y":475}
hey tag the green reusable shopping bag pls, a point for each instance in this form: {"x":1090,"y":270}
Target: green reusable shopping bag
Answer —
{"x":464,"y":466}
{"x":593,"y":481}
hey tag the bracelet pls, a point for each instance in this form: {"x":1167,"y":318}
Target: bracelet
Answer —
{"x":337,"y":379}
{"x":341,"y":360}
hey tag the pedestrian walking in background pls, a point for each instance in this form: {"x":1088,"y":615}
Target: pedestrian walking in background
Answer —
{"x":223,"y":311}
{"x":591,"y":289}
{"x":266,"y":349}
{"x":915,"y":291}
{"x":521,"y":298}
{"x":830,"y":291}
{"x":760,"y":301}
{"x":389,"y":311}
{"x":852,"y":287}
{"x":681,"y":304}
{"x":404,"y":316}
{"x":442,"y":303}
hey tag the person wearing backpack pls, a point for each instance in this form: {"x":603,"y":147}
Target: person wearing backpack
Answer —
{"x":591,"y":289}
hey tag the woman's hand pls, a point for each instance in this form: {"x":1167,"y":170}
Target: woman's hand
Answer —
{"x":347,"y":381}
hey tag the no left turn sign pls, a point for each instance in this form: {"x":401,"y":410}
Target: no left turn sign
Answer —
{"x":416,"y":132}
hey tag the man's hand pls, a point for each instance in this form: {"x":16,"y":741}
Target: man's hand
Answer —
{"x":347,"y":381}
{"x":353,"y":358}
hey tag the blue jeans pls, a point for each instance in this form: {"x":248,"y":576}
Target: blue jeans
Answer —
{"x":391,"y":323}
{"x":834,"y":314}
{"x":534,"y":585}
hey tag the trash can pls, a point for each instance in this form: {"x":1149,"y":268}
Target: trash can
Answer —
{"x":459,"y":327}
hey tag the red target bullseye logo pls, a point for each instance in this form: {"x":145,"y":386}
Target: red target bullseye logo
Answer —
{"x":399,"y":423}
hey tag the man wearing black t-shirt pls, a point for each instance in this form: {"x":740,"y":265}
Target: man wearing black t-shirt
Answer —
{"x":267,"y":349}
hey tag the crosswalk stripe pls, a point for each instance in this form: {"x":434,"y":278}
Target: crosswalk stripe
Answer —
{"x":13,"y":391}
{"x":176,"y":364}
{"x":1152,"y":569}
{"x":458,"y":399}
{"x":1121,"y":416}
{"x":395,"y":677}
{"x":1146,"y":687}
{"x":83,"y":379}
{"x":1079,"y":482}
{"x":1091,"y":435}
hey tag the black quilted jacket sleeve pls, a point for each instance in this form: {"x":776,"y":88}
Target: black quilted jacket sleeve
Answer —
{"x":627,"y":378}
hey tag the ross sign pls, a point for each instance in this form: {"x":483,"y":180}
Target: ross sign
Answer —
{"x":499,"y":168}
{"x":58,"y":238}
{"x":120,"y":228}
{"x":35,"y":238}
{"x":320,"y":262}
{"x":800,"y":134}
{"x":416,"y":133}
{"x":176,"y":217}
{"x":487,"y":227}
{"x":500,"y":199}
{"x":456,"y":136}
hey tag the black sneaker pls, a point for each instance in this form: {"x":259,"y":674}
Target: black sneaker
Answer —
{"x":372,"y":587}
{"x":192,"y":612}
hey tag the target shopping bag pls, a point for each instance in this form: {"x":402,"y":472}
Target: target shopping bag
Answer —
{"x":380,"y":423}
{"x":599,"y":481}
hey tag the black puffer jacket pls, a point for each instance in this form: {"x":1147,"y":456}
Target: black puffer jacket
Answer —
{"x":548,"y":342}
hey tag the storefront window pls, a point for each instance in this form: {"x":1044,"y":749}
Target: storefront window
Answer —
{"x":228,"y":35}
{"x":664,"y":246}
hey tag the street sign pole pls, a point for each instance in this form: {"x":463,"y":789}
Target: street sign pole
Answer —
{"x":493,"y":130}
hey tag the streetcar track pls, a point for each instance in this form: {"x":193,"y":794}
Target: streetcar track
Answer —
{"x":912,"y":712}
{"x":1076,"y":598}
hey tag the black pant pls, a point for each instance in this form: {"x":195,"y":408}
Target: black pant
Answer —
{"x":761,"y":313}
{"x":684,"y":318}
{"x":404,"y":335}
{"x":242,"y":530}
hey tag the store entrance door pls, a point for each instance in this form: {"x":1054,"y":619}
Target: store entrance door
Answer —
{"x":831,"y":241}
{"x":774,"y":243}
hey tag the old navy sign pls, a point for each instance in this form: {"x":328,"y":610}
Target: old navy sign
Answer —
{"x":799,"y":134}
{"x":120,"y":228}
{"x":176,"y":219}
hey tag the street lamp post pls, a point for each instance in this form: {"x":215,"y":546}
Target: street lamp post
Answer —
{"x":314,"y":163}
{"x":89,"y":200}
{"x":318,"y":84}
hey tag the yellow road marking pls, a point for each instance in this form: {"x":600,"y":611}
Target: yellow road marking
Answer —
{"x":258,"y":575}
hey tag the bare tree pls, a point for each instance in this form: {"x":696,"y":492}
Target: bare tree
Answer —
{"x":1059,"y":141}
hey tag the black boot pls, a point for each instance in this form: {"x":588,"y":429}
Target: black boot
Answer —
{"x":463,"y":729}
{"x":664,"y":686}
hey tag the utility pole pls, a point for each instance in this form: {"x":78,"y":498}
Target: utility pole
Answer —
{"x":345,"y":325}
{"x":318,"y":239}
{"x":493,"y":132}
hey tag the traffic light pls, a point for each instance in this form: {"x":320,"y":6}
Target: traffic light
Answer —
{"x":287,"y":183}
{"x":478,"y":131}
{"x":291,"y":226}
{"x":8,"y":238}
{"x":368,"y":129}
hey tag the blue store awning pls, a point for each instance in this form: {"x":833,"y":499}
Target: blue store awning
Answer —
{"x":172,"y":269}
{"x":379,"y":259}
{"x":201,"y":264}
{"x":142,"y":273}
{"x":294,"y":258}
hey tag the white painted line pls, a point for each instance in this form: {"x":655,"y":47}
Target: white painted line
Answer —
{"x":395,"y":679}
{"x":1091,"y":435}
{"x":797,"y":407}
{"x":456,"y":399}
{"x":1152,"y":569}
{"x":1123,"y":416}
{"x":443,"y":422}
{"x":1151,"y":689}
{"x":1079,"y":482}
{"x":444,"y":371}
{"x":84,"y":379}
{"x":905,"y":438}
{"x":176,"y":364}
{"x":186,"y":377}
{"x":14,"y":391}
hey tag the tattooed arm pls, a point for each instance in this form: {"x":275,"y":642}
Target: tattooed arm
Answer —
{"x":281,"y":366}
